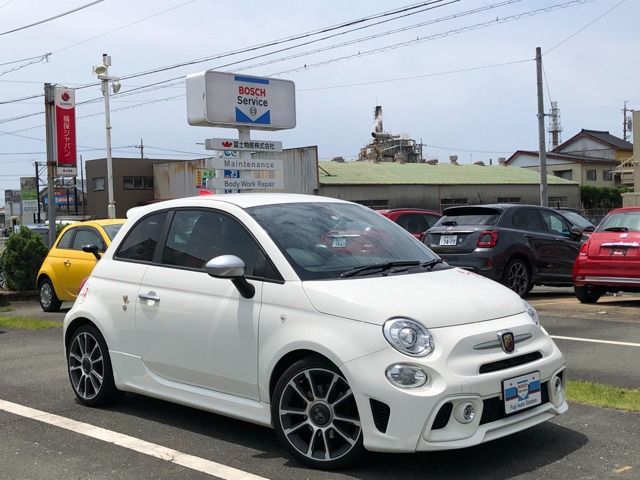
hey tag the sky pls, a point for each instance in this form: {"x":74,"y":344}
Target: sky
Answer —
{"x":457,"y":75}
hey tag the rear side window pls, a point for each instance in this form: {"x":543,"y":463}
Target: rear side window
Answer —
{"x":469,"y":216}
{"x":140,"y":243}
{"x":85,"y":236}
{"x":623,"y":221}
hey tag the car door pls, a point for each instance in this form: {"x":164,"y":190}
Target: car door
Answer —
{"x":559,"y":247}
{"x":530,"y":236}
{"x":192,"y":328}
{"x":76,"y":264}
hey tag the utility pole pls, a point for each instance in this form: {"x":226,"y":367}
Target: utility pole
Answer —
{"x":625,"y":121}
{"x":544,"y":198}
{"x":49,"y":101}
{"x":141,"y":147}
{"x":38,"y":219}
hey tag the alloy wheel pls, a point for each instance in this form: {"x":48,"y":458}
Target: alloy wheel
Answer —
{"x":86,"y":365}
{"x":318,"y":414}
{"x":518,"y":278}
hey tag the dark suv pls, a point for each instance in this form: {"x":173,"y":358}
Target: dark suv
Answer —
{"x":517,"y":245}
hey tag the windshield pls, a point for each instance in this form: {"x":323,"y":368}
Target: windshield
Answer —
{"x":468,"y":216}
{"x":576,"y":219}
{"x":111,"y":230}
{"x":325,"y":240}
{"x":625,"y":221}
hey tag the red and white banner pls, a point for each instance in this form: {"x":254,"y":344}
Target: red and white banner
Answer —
{"x":65,"y":105}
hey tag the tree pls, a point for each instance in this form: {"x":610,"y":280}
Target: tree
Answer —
{"x":24,"y":253}
{"x":601,"y":197}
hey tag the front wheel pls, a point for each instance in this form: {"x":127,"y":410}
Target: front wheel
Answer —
{"x":48,"y":299}
{"x":315,"y":415}
{"x":90,"y":368}
{"x":517,"y":277}
{"x":587,"y":294}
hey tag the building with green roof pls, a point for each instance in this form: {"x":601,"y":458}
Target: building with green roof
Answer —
{"x":395,"y":185}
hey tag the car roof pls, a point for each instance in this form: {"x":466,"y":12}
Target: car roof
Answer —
{"x":408,"y":210}
{"x":242,"y":200}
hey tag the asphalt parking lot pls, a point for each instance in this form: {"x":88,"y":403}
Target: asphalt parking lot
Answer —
{"x":149,"y":438}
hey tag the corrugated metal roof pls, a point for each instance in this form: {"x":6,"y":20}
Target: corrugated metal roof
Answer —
{"x":367,"y":173}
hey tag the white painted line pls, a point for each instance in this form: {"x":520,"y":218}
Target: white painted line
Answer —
{"x":593,"y":340}
{"x":132,"y":443}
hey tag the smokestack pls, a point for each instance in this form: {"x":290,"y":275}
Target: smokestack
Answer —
{"x":377,"y":122}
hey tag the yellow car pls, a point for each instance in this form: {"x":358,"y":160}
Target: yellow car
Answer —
{"x":67,"y":264}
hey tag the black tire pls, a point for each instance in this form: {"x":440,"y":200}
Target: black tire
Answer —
{"x":89,"y":368}
{"x":49,"y":301}
{"x":517,"y":276}
{"x":587,"y":294}
{"x":327,"y":425}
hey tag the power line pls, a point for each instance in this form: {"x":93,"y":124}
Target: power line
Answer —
{"x":456,"y":31}
{"x":585,"y":27}
{"x":40,"y":22}
{"x":263,"y":45}
{"x":437,"y":147}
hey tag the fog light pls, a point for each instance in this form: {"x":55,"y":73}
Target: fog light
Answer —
{"x":465,"y":412}
{"x":406,"y":376}
{"x":557,"y":385}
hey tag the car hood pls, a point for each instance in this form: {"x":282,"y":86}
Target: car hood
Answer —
{"x":439,"y":298}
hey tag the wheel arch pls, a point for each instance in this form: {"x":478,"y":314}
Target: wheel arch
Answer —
{"x":75,"y":324}
{"x":289,"y":359}
{"x":46,"y":275}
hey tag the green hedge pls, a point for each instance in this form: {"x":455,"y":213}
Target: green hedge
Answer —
{"x":21,"y":259}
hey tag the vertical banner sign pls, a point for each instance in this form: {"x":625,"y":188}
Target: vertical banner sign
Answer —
{"x":29,"y":194}
{"x":65,"y":105}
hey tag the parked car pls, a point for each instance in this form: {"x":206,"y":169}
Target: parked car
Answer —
{"x":237,"y":305}
{"x":576,"y":219}
{"x":414,"y":220}
{"x":67,"y":264}
{"x":517,"y":245}
{"x":610,"y":260}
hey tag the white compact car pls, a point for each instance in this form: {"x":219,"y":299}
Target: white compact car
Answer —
{"x":318,"y":317}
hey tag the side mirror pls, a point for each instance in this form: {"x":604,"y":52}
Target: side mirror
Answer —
{"x":231,"y":267}
{"x":92,"y":249}
{"x":576,"y":231}
{"x":589,"y":229}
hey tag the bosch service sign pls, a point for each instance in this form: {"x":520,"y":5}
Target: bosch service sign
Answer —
{"x":65,"y":106}
{"x":223,"y":99}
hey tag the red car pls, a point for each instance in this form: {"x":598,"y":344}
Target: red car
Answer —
{"x":610,"y":260}
{"x":414,"y":220}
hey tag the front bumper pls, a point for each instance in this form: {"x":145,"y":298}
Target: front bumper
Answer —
{"x":415,"y":418}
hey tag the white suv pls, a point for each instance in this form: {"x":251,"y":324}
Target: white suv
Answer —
{"x":318,"y":317}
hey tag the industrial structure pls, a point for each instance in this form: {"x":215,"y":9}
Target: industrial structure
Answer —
{"x":388,"y":147}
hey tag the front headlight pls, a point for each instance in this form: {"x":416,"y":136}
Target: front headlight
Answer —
{"x":408,"y":337}
{"x":532,"y":313}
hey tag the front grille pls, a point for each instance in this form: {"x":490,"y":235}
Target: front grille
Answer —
{"x":493,"y":408}
{"x":442,"y":418}
{"x":510,"y":362}
{"x":380,"y":412}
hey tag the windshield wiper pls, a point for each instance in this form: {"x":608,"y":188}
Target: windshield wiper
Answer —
{"x":616,"y":229}
{"x":431,"y":263}
{"x":379,"y":266}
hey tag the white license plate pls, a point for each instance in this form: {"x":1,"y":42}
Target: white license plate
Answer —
{"x":448,"y":240}
{"x":340,"y":242}
{"x":521,"y":392}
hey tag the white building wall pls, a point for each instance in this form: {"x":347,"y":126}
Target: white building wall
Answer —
{"x":589,"y":148}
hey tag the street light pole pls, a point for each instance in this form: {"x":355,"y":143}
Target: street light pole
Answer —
{"x":103,"y":74}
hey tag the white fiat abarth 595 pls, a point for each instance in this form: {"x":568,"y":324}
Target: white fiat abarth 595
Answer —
{"x":318,"y":317}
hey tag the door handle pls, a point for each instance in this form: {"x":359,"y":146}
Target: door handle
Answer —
{"x":67,"y":262}
{"x":151,"y":296}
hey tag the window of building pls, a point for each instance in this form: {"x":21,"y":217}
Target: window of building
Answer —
{"x":451,"y":202}
{"x":566,"y":174}
{"x":556,"y":202}
{"x":137,"y":183}
{"x":97,"y":184}
{"x":375,"y":204}
{"x":592,"y":175}
{"x":509,"y":199}
{"x":607,"y":175}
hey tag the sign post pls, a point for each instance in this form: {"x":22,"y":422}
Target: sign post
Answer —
{"x":243,"y":102}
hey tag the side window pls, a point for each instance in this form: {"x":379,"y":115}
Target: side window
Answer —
{"x":413,"y":222}
{"x":197,"y":236}
{"x":526,"y":219}
{"x":65,"y":241}
{"x":430,"y":221}
{"x":85,"y":236}
{"x":555,"y":223}
{"x":141,"y":241}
